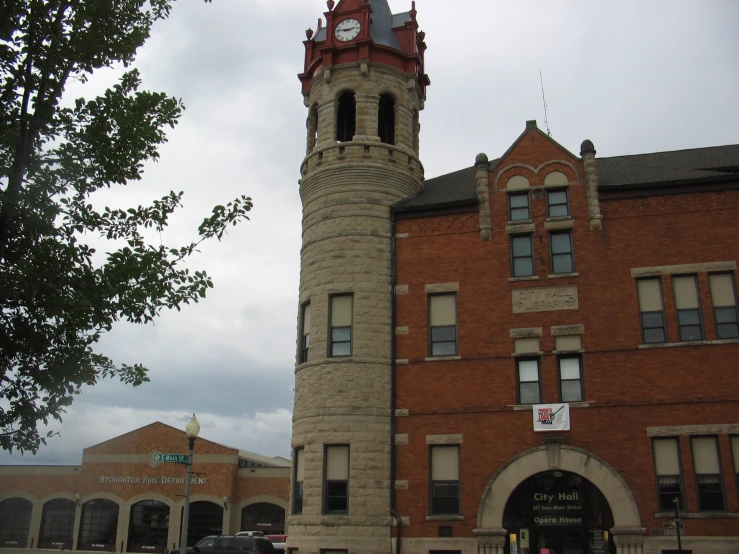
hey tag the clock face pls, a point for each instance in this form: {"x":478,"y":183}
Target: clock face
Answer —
{"x":347,"y":30}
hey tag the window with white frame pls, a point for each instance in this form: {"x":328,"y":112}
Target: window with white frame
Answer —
{"x":687,"y":304}
{"x":340,"y":340}
{"x":707,"y":469}
{"x":336,"y":480}
{"x":528,"y":380}
{"x":445,"y":480}
{"x":667,"y":473}
{"x":723,"y":298}
{"x":570,"y":378}
{"x":443,"y":325}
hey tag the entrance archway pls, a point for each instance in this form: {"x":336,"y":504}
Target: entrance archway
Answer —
{"x":491,"y":533}
{"x":556,"y":512}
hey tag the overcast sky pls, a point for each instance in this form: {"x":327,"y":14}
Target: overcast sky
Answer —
{"x":632,"y":76}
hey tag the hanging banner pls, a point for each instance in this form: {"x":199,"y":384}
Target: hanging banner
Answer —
{"x":551,"y":417}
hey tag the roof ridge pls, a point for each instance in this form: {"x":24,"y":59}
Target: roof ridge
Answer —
{"x":700,"y":148}
{"x":661,"y":166}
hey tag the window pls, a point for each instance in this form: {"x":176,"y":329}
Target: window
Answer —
{"x":560,"y":244}
{"x":651,"y":310}
{"x":570,"y":379}
{"x":386,"y":119}
{"x":336,"y":481}
{"x":527,"y":376}
{"x":299,"y":473}
{"x":558,"y":204}
{"x":340,"y":341}
{"x":522,"y":256}
{"x":443,"y":325}
{"x":723,"y":298}
{"x":735,"y":457}
{"x":707,"y":474}
{"x":667,"y":472}
{"x":304,"y":333}
{"x":346,"y":116}
{"x":688,"y":307}
{"x":518,"y":206}
{"x":445,"y":480}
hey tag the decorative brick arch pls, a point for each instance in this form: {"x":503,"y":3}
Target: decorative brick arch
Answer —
{"x":626,"y":518}
{"x":266,"y":499}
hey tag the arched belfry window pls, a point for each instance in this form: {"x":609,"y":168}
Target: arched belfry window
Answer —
{"x":386,"y":119}
{"x":346,"y":117}
{"x":312,"y":125}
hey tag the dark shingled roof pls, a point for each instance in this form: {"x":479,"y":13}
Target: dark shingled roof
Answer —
{"x":683,"y":166}
{"x":383,"y":22}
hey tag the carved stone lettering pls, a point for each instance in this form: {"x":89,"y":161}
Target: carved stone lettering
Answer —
{"x":545,"y":299}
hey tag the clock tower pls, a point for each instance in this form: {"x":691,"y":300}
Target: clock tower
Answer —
{"x":364,"y":86}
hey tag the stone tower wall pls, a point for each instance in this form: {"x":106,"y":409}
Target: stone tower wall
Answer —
{"x":346,"y":189}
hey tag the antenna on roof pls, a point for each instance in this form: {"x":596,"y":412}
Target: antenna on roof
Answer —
{"x":543,"y":98}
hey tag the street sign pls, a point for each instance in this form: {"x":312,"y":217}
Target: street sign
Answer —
{"x":670,"y":529}
{"x":171,"y":458}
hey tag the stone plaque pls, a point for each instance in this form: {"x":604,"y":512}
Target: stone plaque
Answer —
{"x":545,"y":299}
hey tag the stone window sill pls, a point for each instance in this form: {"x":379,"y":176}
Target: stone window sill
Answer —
{"x":562,"y":275}
{"x":554,"y":224}
{"x":445,"y":518}
{"x":525,"y":407}
{"x":558,"y":218}
{"x":689,"y":343}
{"x":522,"y":227}
{"x":697,"y":515}
{"x":527,"y":278}
{"x":442,"y":358}
{"x":524,"y":354}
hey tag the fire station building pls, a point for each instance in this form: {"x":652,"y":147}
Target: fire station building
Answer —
{"x":119,"y":499}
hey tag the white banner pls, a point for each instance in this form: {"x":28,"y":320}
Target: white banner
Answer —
{"x":551,"y":417}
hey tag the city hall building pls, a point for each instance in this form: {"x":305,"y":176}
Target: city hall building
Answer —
{"x":120,"y":499}
{"x":535,"y":354}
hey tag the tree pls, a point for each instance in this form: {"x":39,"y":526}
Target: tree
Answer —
{"x":57,"y":295}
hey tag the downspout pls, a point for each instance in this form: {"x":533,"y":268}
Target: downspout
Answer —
{"x":393,"y":513}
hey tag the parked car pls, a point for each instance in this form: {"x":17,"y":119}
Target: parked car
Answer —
{"x":228,"y":544}
{"x":278,"y":541}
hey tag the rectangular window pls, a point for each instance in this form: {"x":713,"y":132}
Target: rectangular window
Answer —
{"x":688,"y":307}
{"x":723,"y":298}
{"x":560,"y":245}
{"x":443,"y":325}
{"x":304,"y":332}
{"x":336,"y":480}
{"x":651,"y":310}
{"x":340,"y":340}
{"x":522,"y":256}
{"x":570,"y":379}
{"x":667,"y":473}
{"x":527,"y":377}
{"x":707,"y":474}
{"x":518,"y":206}
{"x":735,"y":457}
{"x":445,"y":480}
{"x":557,"y":203}
{"x":298,"y":486}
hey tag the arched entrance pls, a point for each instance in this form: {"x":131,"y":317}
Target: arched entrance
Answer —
{"x":558,"y":512}
{"x":148,"y":526}
{"x":206,"y":518}
{"x":492,"y":535}
{"x":57,"y":524}
{"x":15,"y":522}
{"x":99,"y":525}
{"x":263,"y":516}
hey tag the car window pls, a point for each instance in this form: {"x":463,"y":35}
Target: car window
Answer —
{"x":244,"y":543}
{"x":207,"y":542}
{"x":226,"y":543}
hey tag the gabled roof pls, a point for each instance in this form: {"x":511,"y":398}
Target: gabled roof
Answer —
{"x":696,"y":165}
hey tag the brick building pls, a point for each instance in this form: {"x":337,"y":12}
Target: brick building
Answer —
{"x":119,"y":499}
{"x":532,"y":355}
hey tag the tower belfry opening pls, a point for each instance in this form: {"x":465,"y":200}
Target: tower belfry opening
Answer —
{"x":386,"y":119}
{"x":346,"y":117}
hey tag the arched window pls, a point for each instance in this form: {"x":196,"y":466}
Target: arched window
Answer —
{"x":99,"y":525}
{"x":416,"y":132}
{"x":263,"y":516}
{"x":15,"y":522}
{"x":148,"y":526}
{"x":206,"y":518}
{"x":386,"y":119}
{"x":312,"y":125}
{"x":346,"y":117}
{"x":57,"y":524}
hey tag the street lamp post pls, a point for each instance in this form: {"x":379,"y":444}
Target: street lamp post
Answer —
{"x":192,"y":429}
{"x":677,"y":524}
